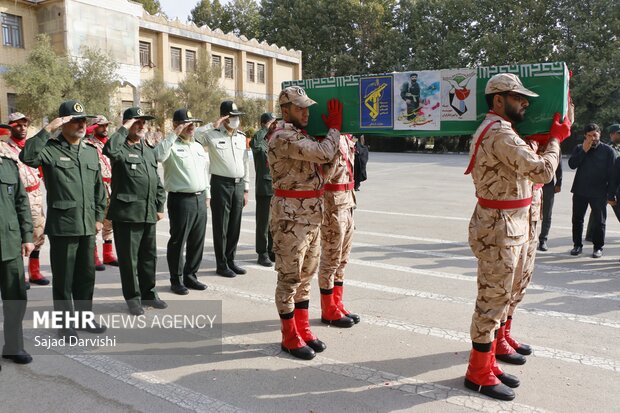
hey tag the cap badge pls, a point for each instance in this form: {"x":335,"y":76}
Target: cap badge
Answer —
{"x":78,"y":107}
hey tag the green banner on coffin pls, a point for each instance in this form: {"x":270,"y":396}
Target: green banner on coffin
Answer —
{"x":446,"y":102}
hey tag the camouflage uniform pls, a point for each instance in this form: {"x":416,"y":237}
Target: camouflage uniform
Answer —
{"x":296,"y":162}
{"x":106,"y":175}
{"x":503,"y":170}
{"x":31,"y":178}
{"x":337,"y":225}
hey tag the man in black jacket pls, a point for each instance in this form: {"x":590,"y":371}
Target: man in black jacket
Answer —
{"x":592,"y":186}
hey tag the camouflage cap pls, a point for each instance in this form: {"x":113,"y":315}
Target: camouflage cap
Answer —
{"x":100,"y":120}
{"x":295,"y":95}
{"x":14,"y":117}
{"x":507,"y":82}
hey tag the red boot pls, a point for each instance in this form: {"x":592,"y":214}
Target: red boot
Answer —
{"x":508,"y":379}
{"x":98,"y":264}
{"x":330,"y":314}
{"x":338,"y":290}
{"x":34,"y":272}
{"x":480,"y":377}
{"x":521,"y":348}
{"x":504,"y":352}
{"x":108,"y":254}
{"x":303,"y":327}
{"x":291,"y":341}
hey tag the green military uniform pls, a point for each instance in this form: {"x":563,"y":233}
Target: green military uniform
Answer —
{"x":264,"y":192}
{"x":76,"y":200}
{"x":137,"y":196}
{"x":15,"y":229}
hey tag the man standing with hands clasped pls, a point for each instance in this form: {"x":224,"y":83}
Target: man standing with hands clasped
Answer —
{"x":503,"y":168}
{"x":76,"y":200}
{"x":136,"y":204}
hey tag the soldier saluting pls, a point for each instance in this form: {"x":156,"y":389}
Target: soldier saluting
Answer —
{"x":76,"y":200}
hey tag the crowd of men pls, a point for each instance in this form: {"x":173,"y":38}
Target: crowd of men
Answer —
{"x":304,"y":216}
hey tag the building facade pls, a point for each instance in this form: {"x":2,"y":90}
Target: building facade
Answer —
{"x":143,"y":45}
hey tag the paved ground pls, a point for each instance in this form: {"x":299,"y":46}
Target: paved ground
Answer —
{"x":411,"y":278}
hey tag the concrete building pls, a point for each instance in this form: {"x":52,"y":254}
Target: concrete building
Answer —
{"x":142,"y":45}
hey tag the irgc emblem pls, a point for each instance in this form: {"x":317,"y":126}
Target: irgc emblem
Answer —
{"x":78,"y":107}
{"x":140,"y":113}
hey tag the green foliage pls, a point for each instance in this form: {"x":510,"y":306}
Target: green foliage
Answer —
{"x":209,"y":13}
{"x":41,"y":82}
{"x":151,"y":6}
{"x":238,"y":16}
{"x":95,"y":80}
{"x":165,"y":99}
{"x":252,"y":108}
{"x":201,"y":92}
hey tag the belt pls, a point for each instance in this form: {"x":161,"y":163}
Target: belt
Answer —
{"x":186,"y":193}
{"x":286,"y":193}
{"x":227,"y":179}
{"x":33,"y":187}
{"x":107,"y":180}
{"x":504,"y":204}
{"x":339,"y":187}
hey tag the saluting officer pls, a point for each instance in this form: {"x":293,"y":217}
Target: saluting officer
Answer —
{"x":15,"y":241}
{"x":230,"y":182}
{"x":186,"y":178}
{"x":136,"y":204}
{"x":264,"y":190}
{"x":75,"y":203}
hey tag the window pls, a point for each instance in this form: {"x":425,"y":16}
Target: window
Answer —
{"x":228,"y":68}
{"x":11,"y":100}
{"x":145,"y":54}
{"x":260,"y":69}
{"x":190,"y":60}
{"x":216,"y":63}
{"x":175,"y":59}
{"x":250,"y":67}
{"x":12,"y":35}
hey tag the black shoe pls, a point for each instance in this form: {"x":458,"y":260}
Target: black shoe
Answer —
{"x":576,"y":250}
{"x":20,"y":358}
{"x":316,"y":345}
{"x":344,"y":322}
{"x":40,"y":281}
{"x":263,"y":259}
{"x":272,"y":256}
{"x":236,"y":269}
{"x":190,"y":281}
{"x":96,"y":328}
{"x":100,"y":267}
{"x":509,"y":380}
{"x":179,"y":289}
{"x":524,"y":349}
{"x":499,"y":391}
{"x":135,"y":309}
{"x":598,"y":253}
{"x":512,"y":358}
{"x":67,"y":333}
{"x":156,"y":303}
{"x":354,"y":317}
{"x":542,"y":246}
{"x":305,"y":353}
{"x":228,"y":273}
{"x":111,"y":263}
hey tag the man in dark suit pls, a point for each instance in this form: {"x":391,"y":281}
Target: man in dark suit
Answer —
{"x":264,"y":190}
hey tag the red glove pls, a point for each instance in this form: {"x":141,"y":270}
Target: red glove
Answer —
{"x":540,"y":138}
{"x":558,"y":130}
{"x":333,"y":120}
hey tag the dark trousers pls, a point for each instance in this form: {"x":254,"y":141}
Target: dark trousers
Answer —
{"x":13,"y":293}
{"x":547,"y":209}
{"x":188,"y":225}
{"x":264,"y":242}
{"x":136,"y":250}
{"x":615,"y":208}
{"x":599,"y":212}
{"x":73,"y":270}
{"x":226,"y":209}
